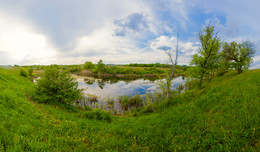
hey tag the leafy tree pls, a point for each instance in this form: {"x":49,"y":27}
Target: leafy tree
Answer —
{"x":101,"y":66}
{"x":208,"y":53}
{"x":88,"y":65}
{"x":238,"y":56}
{"x":56,"y":86}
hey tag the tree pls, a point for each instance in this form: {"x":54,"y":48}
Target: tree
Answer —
{"x":88,"y":65}
{"x":173,"y":61}
{"x":56,"y":86}
{"x":239,"y":56}
{"x":101,"y":66}
{"x":208,"y":53}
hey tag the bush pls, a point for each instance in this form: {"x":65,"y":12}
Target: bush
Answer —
{"x":221,"y":73}
{"x":23,"y":73}
{"x":74,"y":69}
{"x":88,"y":65}
{"x":191,"y":83}
{"x":30,"y":71}
{"x":56,"y":86}
{"x":98,"y":115}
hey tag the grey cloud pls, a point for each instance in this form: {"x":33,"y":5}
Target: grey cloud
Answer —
{"x":164,"y":48}
{"x":4,"y":58}
{"x":135,"y":22}
{"x":64,"y":22}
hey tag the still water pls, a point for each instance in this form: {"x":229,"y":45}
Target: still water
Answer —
{"x":113,"y":88}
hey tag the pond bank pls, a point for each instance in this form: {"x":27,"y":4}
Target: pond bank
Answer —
{"x":101,"y":93}
{"x":91,"y":74}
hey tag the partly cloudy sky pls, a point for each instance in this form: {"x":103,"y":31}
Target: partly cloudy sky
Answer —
{"x":118,"y":31}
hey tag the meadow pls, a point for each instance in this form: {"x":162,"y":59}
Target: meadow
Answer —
{"x":223,"y":115}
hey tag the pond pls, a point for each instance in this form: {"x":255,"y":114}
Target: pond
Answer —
{"x":113,"y":88}
{"x":104,"y":89}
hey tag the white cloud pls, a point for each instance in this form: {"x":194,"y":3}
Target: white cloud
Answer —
{"x":186,"y":49}
{"x":21,"y":44}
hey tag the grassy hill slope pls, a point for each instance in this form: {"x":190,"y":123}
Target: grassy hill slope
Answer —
{"x":224,"y":116}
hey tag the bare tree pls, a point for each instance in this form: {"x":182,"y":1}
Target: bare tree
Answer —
{"x":173,"y":58}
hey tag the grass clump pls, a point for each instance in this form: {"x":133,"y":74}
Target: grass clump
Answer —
{"x":130,"y":102}
{"x":23,"y":73}
{"x":98,"y":115}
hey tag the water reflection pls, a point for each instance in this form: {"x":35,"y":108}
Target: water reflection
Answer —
{"x":107,"y":88}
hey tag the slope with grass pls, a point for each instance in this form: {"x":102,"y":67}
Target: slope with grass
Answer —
{"x":223,"y":116}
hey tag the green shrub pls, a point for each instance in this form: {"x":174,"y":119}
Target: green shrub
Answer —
{"x":98,"y":115}
{"x":30,"y":71}
{"x":56,"y":86}
{"x":221,"y":73}
{"x":191,"y":83}
{"x":180,"y":88}
{"x":153,"y":70}
{"x":88,"y":65}
{"x":23,"y":73}
{"x":75,"y":69}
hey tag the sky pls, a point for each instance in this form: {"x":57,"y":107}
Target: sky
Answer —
{"x":118,"y":31}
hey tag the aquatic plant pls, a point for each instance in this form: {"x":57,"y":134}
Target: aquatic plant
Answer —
{"x":129,"y":102}
{"x":92,"y":99}
{"x":110,"y":102}
{"x":148,"y":103}
{"x":180,"y":88}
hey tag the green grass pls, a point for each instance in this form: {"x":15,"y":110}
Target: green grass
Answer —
{"x":223,"y":116}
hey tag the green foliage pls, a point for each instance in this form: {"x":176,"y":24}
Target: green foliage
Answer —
{"x":165,"y":84}
{"x":154,"y":70}
{"x":30,"y":71}
{"x":74,"y":69}
{"x":130,"y":70}
{"x":238,"y":56}
{"x":180,"y":88}
{"x":98,"y":115}
{"x":162,"y":83}
{"x":23,"y":73}
{"x":130,"y":102}
{"x":191,"y":83}
{"x":221,"y":72}
{"x":111,"y":69}
{"x":88,"y":65}
{"x":208,"y":53}
{"x":110,"y":102}
{"x":101,"y":66}
{"x":223,"y":116}
{"x":56,"y":86}
{"x":148,"y":105}
{"x":150,"y":65}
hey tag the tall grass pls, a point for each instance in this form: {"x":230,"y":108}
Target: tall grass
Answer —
{"x":130,"y":102}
